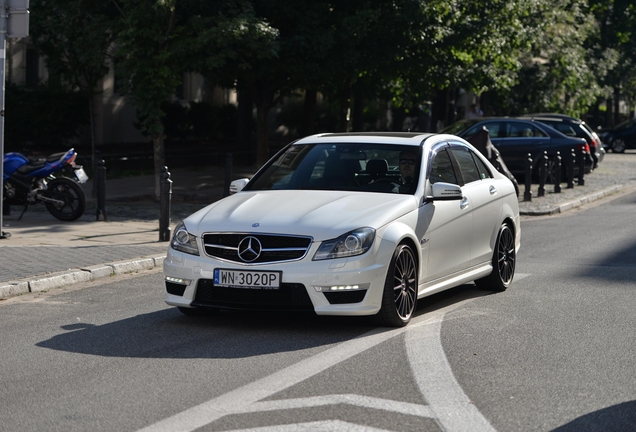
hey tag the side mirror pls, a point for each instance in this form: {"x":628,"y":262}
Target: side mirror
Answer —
{"x":238,"y":185}
{"x":445,"y":192}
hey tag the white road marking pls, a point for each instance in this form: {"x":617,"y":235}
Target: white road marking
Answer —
{"x":448,"y":404}
{"x":349,"y":399}
{"x":239,"y":400}
{"x":323,"y":426}
{"x":432,"y":372}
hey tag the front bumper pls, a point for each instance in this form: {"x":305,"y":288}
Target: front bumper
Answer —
{"x":324,"y":287}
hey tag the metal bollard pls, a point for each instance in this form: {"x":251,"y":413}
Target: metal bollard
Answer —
{"x":527,"y":194}
{"x":557,"y":173}
{"x":228,"y":175}
{"x":571,"y":169}
{"x":543,"y":168}
{"x":582,"y":155}
{"x":100,"y":189}
{"x":165,"y":192}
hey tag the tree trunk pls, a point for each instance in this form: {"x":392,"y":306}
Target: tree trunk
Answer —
{"x":343,"y":116}
{"x":309,"y":113}
{"x":398,"y":115}
{"x":262,"y":142}
{"x":264,"y":100}
{"x":94,"y":162}
{"x":244,"y":120}
{"x":357,"y":124}
{"x":617,"y":99}
{"x":159,"y":161}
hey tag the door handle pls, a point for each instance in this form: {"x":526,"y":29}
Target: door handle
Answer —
{"x":463,"y":203}
{"x":492,"y":190}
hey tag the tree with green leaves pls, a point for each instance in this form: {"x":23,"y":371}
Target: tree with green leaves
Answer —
{"x":563,"y":72}
{"x":235,"y":48}
{"x":148,"y":61}
{"x":74,"y":38}
{"x":614,"y":44}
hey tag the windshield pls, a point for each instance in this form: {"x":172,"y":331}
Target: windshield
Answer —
{"x":352,"y":167}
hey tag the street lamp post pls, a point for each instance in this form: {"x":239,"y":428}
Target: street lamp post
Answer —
{"x":14,"y":23}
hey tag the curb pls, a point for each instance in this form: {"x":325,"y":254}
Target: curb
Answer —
{"x":561,"y":208}
{"x":73,"y":276}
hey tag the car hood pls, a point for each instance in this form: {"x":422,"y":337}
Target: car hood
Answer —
{"x":320,"y":214}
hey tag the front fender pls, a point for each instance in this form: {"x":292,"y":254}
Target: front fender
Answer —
{"x":398,"y":232}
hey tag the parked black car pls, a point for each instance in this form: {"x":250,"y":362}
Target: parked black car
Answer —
{"x":621,"y":137}
{"x":573,"y":127}
{"x":515,"y":138}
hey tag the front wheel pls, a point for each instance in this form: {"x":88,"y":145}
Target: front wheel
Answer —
{"x":503,"y":262}
{"x":618,"y":146}
{"x":72,"y":196}
{"x":400,"y":289}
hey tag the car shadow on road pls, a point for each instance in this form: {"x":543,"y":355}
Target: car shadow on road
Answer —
{"x":617,"y":418}
{"x":617,"y":266}
{"x":224,"y":335}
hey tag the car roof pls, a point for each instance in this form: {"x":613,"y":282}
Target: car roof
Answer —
{"x":547,"y":119}
{"x":555,"y":116}
{"x":404,"y":138}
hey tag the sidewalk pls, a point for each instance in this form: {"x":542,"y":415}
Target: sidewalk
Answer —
{"x":44,"y":253}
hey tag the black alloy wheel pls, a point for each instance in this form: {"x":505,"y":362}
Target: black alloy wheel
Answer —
{"x":400,"y":289}
{"x":503,"y":262}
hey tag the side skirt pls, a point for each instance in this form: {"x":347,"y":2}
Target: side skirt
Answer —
{"x":456,"y":279}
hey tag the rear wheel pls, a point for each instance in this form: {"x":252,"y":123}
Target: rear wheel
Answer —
{"x":503,"y":262}
{"x":71,"y":195}
{"x":400,"y":289}
{"x":618,"y":146}
{"x":550,"y":171}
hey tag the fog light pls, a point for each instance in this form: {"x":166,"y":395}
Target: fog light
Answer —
{"x":332,"y":288}
{"x":178,"y":281}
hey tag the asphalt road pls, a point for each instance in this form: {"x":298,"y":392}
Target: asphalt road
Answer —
{"x":556,"y":351}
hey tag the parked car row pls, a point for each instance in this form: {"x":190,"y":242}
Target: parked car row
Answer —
{"x":574,"y":127}
{"x":515,"y":138}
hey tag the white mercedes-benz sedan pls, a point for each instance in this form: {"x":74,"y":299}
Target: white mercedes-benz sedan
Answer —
{"x":349,"y":224}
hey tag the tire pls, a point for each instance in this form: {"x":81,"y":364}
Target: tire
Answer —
{"x":399,"y":297}
{"x":503,"y":262}
{"x":618,"y":145}
{"x":71,"y":193}
{"x":550,"y":172}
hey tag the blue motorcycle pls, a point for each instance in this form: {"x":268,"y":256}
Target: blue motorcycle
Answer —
{"x":29,"y":181}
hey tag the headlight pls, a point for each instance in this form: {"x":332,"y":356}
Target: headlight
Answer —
{"x":183,"y":241}
{"x":352,"y":243}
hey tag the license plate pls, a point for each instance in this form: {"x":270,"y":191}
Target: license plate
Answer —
{"x":81,"y":175}
{"x":247,"y":279}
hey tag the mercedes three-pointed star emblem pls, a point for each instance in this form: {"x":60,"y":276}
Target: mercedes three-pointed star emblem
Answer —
{"x":249,"y":249}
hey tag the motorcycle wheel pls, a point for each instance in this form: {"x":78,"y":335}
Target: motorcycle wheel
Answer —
{"x":71,"y":193}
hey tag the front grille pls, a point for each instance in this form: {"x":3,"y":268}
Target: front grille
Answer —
{"x":289,"y":297}
{"x":266,"y":248}
{"x":344,"y":297}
